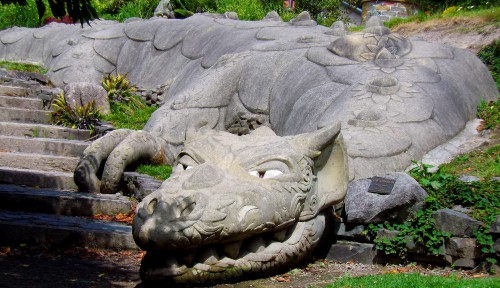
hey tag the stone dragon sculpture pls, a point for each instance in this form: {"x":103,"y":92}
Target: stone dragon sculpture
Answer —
{"x":254,"y":201}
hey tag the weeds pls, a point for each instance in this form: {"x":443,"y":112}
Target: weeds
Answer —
{"x":128,"y":115}
{"x":445,"y":191}
{"x":26,"y":67}
{"x":160,"y":172}
{"x":118,"y":87}
{"x":79,"y":117}
{"x":490,"y":55}
{"x":483,"y":164}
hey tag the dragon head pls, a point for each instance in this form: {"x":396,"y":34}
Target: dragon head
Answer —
{"x":240,"y":203}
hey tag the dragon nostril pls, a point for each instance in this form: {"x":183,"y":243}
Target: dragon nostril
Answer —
{"x":151,"y":206}
{"x":188,"y":209}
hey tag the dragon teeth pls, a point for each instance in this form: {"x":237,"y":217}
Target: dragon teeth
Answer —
{"x":209,"y":256}
{"x":279,"y":235}
{"x":187,"y":257}
{"x":232,"y":250}
{"x":256,"y":244}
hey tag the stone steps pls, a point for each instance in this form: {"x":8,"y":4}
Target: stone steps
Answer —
{"x":37,"y":178}
{"x":57,"y":231}
{"x":37,"y":130}
{"x":56,"y":147}
{"x":24,"y":115}
{"x":23,"y":103}
{"x":38,"y":161}
{"x":42,"y":158}
{"x":7,"y":90}
{"x":18,"y":198}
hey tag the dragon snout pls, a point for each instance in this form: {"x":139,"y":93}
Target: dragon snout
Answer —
{"x":173,"y":209}
{"x":204,"y":176}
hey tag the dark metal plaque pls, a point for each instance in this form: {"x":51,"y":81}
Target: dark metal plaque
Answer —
{"x":381,"y":185}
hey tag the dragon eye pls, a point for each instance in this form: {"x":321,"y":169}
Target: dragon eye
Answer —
{"x":185,"y":162}
{"x":266,"y":174}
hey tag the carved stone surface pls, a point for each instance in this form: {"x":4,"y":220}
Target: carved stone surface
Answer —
{"x":395,"y":100}
{"x":420,"y":93}
{"x":226,"y":214}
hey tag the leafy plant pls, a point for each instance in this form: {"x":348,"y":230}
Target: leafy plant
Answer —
{"x":127,"y":109}
{"x":490,"y":55}
{"x":420,"y":230}
{"x":118,"y":87}
{"x":445,"y":191}
{"x":80,"y":117}
{"x":12,"y":14}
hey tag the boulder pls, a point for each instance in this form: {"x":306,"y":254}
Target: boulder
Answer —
{"x":344,"y":251}
{"x":356,"y":233}
{"x":495,"y":227}
{"x":81,"y":93}
{"x":405,"y":199}
{"x":139,"y":185}
{"x":456,"y":223}
{"x":462,"y":248}
{"x":460,"y":262}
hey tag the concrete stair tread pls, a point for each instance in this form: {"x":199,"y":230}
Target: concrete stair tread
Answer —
{"x":15,"y":197}
{"x":46,"y":146}
{"x":38,"y":161}
{"x":24,"y":115}
{"x":24,"y":103}
{"x":37,"y":178}
{"x":42,"y":130}
{"x":56,"y":230}
{"x":8,"y":90}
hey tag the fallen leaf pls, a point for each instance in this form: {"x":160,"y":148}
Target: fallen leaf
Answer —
{"x":283,"y":279}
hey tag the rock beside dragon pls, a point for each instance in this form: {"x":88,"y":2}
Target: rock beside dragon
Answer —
{"x":254,"y":201}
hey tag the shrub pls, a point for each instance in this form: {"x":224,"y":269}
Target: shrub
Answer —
{"x":490,"y":55}
{"x":127,"y":110}
{"x":445,"y":191}
{"x":16,"y":15}
{"x":119,"y":88}
{"x":80,"y":117}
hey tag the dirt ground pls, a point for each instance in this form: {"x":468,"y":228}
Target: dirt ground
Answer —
{"x":87,"y":268}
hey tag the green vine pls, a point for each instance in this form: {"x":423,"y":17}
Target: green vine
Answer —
{"x":445,"y":191}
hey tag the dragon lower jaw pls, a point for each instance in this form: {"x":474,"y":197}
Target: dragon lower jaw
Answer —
{"x":258,"y":255}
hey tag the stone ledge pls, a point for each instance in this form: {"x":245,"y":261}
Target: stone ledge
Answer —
{"x":19,"y":198}
{"x":58,"y":231}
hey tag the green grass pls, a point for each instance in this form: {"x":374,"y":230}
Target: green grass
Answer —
{"x":413,"y":281}
{"x":482,"y":164}
{"x":129,"y":116}
{"x":160,"y":172}
{"x":489,"y":16}
{"x":26,"y":67}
